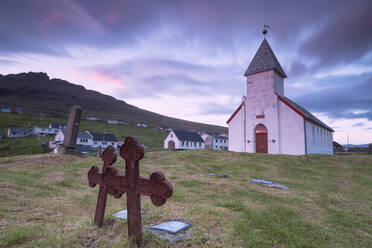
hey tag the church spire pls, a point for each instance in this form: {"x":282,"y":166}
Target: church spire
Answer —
{"x":265,"y":60}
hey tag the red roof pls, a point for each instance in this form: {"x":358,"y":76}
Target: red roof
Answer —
{"x":232,"y":116}
{"x":303,"y":112}
{"x":296,"y":108}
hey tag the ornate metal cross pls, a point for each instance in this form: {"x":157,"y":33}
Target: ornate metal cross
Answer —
{"x":113,"y":183}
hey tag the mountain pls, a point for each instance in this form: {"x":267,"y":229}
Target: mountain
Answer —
{"x":37,"y":93}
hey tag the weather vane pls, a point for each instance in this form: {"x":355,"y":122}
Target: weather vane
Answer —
{"x":264,"y":31}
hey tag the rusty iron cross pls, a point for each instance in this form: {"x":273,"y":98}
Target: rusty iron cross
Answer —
{"x":112,"y":182}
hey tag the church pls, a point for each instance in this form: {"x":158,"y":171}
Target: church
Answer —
{"x":268,"y":122}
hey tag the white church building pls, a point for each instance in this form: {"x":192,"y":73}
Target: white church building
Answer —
{"x":268,"y":122}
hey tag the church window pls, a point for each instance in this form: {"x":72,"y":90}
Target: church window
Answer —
{"x":183,"y":143}
{"x":187,"y":143}
{"x":199,"y":144}
{"x":195,"y":144}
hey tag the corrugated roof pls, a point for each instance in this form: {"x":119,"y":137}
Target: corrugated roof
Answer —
{"x":264,"y":60}
{"x":188,"y":136}
{"x":104,"y":137}
{"x":306,"y":114}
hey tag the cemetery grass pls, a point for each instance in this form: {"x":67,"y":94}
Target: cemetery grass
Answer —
{"x":151,"y":138}
{"x":45,"y":201}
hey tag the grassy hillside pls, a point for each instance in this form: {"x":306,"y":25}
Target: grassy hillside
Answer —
{"x":37,"y":93}
{"x":152,"y":139}
{"x":46,"y":201}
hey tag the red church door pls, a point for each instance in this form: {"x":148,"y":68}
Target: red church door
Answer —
{"x":261,"y":138}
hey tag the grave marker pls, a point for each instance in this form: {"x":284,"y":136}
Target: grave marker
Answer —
{"x":113,"y":183}
{"x":72,"y":130}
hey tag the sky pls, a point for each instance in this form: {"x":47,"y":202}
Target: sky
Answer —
{"x":186,"y":59}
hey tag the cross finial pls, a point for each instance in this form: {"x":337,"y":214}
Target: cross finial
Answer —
{"x":264,"y":31}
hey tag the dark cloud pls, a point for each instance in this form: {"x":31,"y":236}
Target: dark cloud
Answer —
{"x":352,"y":100}
{"x":49,"y":26}
{"x":347,"y":36}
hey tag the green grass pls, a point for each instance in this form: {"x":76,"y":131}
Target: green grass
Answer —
{"x":45,"y":201}
{"x":150,"y":137}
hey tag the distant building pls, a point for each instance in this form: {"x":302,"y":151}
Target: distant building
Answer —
{"x":268,"y":122}
{"x":57,"y":126}
{"x":16,"y":132}
{"x":5,"y":110}
{"x":215,"y":142}
{"x":104,"y":140}
{"x":113,"y":121}
{"x":44,"y":131}
{"x":87,"y":141}
{"x":142,"y":125}
{"x":91,"y":118}
{"x":183,"y":140}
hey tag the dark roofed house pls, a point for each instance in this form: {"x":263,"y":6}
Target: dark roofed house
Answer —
{"x":57,"y":126}
{"x":104,"y":140}
{"x":183,"y":140}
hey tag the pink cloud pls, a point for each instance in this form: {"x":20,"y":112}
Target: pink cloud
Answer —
{"x":99,"y":76}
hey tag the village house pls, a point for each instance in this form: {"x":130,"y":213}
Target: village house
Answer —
{"x":57,"y":126}
{"x":87,"y":140}
{"x":142,"y":125}
{"x":17,"y":132}
{"x":120,"y":122}
{"x":215,"y":141}
{"x":44,"y":131}
{"x":104,"y":140}
{"x":183,"y":140}
{"x":91,"y":118}
{"x":268,"y":122}
{"x":5,"y":110}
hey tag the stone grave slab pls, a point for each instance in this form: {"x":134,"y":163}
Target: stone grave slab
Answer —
{"x":209,"y":175}
{"x":268,"y":183}
{"x":173,"y":226}
{"x":172,"y":231}
{"x":123,"y":214}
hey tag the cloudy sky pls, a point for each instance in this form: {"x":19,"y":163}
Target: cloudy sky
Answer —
{"x":186,"y":59}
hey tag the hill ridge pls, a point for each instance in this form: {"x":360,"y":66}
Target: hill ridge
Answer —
{"x":37,"y":92}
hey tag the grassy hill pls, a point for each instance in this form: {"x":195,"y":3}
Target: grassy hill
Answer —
{"x":150,"y":137}
{"x":45,"y":201}
{"x":37,"y":93}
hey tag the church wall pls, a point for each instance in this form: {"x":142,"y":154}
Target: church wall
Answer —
{"x":261,"y":102}
{"x":171,"y":136}
{"x":236,"y":132}
{"x":291,"y":131}
{"x":318,"y":139}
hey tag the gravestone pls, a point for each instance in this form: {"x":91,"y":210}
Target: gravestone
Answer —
{"x":112,"y":182}
{"x":72,"y":130}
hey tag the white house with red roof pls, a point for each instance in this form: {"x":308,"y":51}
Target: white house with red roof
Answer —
{"x":268,"y":122}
